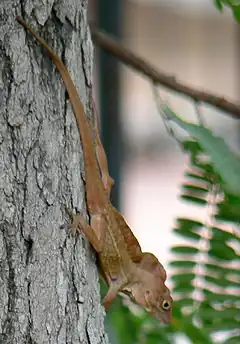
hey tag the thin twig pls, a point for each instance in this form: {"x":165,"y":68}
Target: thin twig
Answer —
{"x":199,"y":114}
{"x":160,"y":104}
{"x":116,"y":49}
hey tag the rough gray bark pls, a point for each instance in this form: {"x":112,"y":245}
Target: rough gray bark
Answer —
{"x":49,"y":291}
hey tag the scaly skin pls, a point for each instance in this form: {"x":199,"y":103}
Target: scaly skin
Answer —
{"x":144,"y":260}
{"x":141,"y":276}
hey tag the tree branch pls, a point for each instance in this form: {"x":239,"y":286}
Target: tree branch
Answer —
{"x":116,"y":49}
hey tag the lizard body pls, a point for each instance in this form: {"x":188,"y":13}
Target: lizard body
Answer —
{"x":125,"y":267}
{"x":133,"y":247}
{"x":145,"y":260}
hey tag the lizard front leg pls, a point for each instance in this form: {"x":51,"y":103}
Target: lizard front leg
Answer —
{"x":114,"y":288}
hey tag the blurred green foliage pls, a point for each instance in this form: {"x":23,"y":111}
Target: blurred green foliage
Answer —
{"x":233,"y":4}
{"x":205,"y":269}
{"x":225,"y":162}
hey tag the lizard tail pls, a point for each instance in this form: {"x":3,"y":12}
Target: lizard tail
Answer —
{"x":82,"y":122}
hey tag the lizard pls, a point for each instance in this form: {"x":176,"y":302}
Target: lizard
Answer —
{"x":137,"y":275}
{"x":146,"y":260}
{"x":133,"y":246}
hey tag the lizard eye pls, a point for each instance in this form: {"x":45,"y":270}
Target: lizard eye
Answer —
{"x":165,"y":305}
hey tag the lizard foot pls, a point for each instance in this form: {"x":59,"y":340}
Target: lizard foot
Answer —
{"x":73,"y":227}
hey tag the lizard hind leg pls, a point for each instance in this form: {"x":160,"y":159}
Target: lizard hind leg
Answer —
{"x":79,"y":224}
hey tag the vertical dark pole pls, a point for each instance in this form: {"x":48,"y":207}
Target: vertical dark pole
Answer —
{"x":237,"y":80}
{"x":110,"y":19}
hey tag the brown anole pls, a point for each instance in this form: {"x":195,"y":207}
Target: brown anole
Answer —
{"x":125,"y":268}
{"x":145,"y":260}
{"x":133,"y":247}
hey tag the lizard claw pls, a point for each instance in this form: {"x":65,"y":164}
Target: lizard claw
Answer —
{"x":72,"y":228}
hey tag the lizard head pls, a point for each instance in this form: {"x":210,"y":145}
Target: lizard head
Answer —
{"x":155,"y":297}
{"x":159,"y":303}
{"x":150,"y":291}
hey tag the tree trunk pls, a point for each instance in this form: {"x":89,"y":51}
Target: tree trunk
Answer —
{"x":49,"y":291}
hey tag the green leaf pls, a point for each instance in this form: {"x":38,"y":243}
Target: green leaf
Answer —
{"x":221,"y":234}
{"x":186,"y":277}
{"x":184,"y":303}
{"x":194,"y":191}
{"x":236,"y":13}
{"x":192,"y":199}
{"x":220,"y":250}
{"x":218,"y":5}
{"x":192,"y":147}
{"x":233,"y":340}
{"x":187,"y":234}
{"x":223,"y":315}
{"x":226,"y":163}
{"x":217,"y":324}
{"x":229,"y":209}
{"x":184,"y":249}
{"x":198,"y":177}
{"x":221,"y":282}
{"x":217,"y":297}
{"x":233,"y":3}
{"x":187,"y":228}
{"x":197,"y":335}
{"x":189,"y":223}
{"x":183,"y":287}
{"x":232,"y":200}
{"x":195,"y":188}
{"x":221,"y":270}
{"x":156,"y":337}
{"x":182,"y":264}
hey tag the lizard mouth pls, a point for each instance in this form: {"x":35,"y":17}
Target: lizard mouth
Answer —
{"x":164,"y":317}
{"x":128,"y":293}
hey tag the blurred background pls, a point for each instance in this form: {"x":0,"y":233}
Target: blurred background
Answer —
{"x":192,"y":41}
